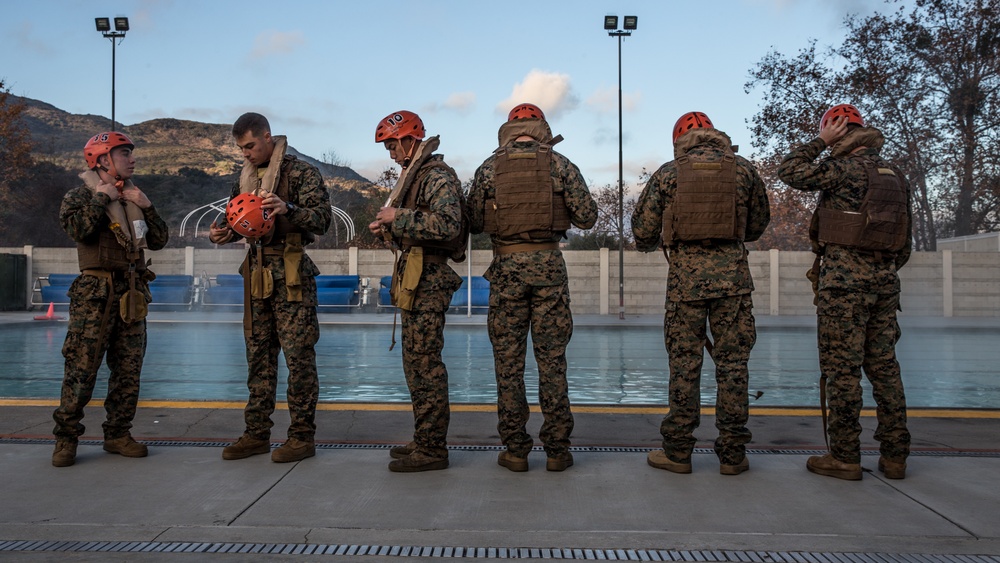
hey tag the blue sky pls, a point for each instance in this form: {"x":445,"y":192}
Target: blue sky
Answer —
{"x":326,"y":71}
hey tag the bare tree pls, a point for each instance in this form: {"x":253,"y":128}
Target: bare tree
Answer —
{"x":929,"y":78}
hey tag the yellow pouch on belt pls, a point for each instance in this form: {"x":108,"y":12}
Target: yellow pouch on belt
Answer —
{"x":293,"y":259}
{"x":404,"y":287}
{"x":132,"y":306}
{"x":261,"y":283}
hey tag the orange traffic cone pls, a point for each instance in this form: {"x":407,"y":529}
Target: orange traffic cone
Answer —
{"x":50,"y":316}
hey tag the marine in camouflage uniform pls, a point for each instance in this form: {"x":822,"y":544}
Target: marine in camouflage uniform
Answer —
{"x":708,"y":281}
{"x":286,"y":321}
{"x":426,"y":216}
{"x":529,"y":291}
{"x":857,"y":299}
{"x":96,"y":325}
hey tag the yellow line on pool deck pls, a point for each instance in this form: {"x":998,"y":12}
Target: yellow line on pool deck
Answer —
{"x":583,"y":409}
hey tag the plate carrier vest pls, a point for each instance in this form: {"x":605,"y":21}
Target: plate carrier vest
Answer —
{"x":882,"y":222}
{"x":528,"y":204}
{"x":705,"y":206}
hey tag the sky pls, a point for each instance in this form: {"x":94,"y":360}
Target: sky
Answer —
{"x":325,"y":72}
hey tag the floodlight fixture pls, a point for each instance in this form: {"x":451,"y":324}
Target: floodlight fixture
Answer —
{"x":611,"y":26}
{"x":118,"y":35}
{"x":121,"y":23}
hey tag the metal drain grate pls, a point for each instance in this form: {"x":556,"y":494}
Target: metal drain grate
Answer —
{"x":487,"y":448}
{"x":442,"y":552}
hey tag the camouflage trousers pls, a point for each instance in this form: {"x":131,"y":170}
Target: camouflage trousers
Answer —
{"x":86,"y":345}
{"x":516,"y":308}
{"x":427,"y":379}
{"x":292,"y":328}
{"x":858,"y":331}
{"x":734,"y":333}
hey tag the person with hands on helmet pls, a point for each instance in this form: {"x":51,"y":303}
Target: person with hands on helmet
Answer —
{"x":423,"y":219}
{"x":529,"y":286}
{"x":700,"y":208}
{"x":113,"y":223}
{"x":861,"y":235}
{"x":279,"y":205}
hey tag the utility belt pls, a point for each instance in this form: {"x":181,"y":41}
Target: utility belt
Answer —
{"x":258,"y":282}
{"x":105,"y":274}
{"x":502,"y":250}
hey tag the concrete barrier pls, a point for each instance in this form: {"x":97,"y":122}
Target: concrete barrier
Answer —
{"x":944,"y":283}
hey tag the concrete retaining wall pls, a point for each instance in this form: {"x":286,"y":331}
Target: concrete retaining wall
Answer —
{"x":944,"y":283}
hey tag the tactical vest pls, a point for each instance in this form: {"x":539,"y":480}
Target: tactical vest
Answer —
{"x":705,"y":206}
{"x":528,"y":204}
{"x":881,"y":223}
{"x":453,"y":248}
{"x":282,"y":226}
{"x":106,"y":253}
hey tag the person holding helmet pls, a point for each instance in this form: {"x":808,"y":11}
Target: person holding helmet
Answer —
{"x":278,"y":205}
{"x":113,"y":223}
{"x":423,"y":219}
{"x":861,"y":235}
{"x":529,"y":289}
{"x":701,"y":208}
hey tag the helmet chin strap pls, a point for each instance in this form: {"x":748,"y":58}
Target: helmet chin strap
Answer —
{"x":119,"y":182}
{"x":409,"y":153}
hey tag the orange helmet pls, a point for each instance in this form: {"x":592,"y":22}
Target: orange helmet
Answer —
{"x":102,"y":143}
{"x":398,"y":125}
{"x":846,"y":110}
{"x":245,"y":215}
{"x":691,"y":120}
{"x":525,"y":111}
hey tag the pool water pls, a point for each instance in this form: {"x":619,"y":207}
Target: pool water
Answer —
{"x":942,"y":368}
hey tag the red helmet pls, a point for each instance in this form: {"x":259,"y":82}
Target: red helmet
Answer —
{"x":245,"y":215}
{"x":398,"y":125}
{"x":525,"y":111}
{"x":847,"y":110}
{"x":102,"y":143}
{"x":691,"y":120}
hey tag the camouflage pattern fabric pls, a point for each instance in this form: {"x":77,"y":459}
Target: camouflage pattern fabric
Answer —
{"x":439,"y":195}
{"x":705,"y":284}
{"x":529,"y":291}
{"x":82,"y":215}
{"x":291,"y":327}
{"x":858,"y":296}
{"x":734,"y":333}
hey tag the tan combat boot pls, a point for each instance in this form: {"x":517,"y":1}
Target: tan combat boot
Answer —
{"x":736,"y":469}
{"x":831,"y":467}
{"x":126,"y":446}
{"x":512,"y":462}
{"x":399,"y":452}
{"x":659,"y":460}
{"x":293,"y":450}
{"x":559,"y":463}
{"x":64,"y":454}
{"x":417,"y":461}
{"x":892,"y":469}
{"x":245,"y":447}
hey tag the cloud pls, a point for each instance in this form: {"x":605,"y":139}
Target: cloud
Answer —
{"x":461,"y":102}
{"x":25,"y":38}
{"x":550,"y":91}
{"x":270,"y":43}
{"x":605,"y":100}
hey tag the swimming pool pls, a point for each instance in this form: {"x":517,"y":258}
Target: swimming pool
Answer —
{"x":608,"y":365}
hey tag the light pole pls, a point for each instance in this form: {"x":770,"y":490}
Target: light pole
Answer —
{"x":611,"y":25}
{"x":104,"y":26}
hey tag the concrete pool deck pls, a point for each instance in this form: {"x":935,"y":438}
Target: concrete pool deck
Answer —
{"x":184,"y":503}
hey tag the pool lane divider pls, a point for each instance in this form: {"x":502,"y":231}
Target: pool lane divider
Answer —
{"x":582,"y":409}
